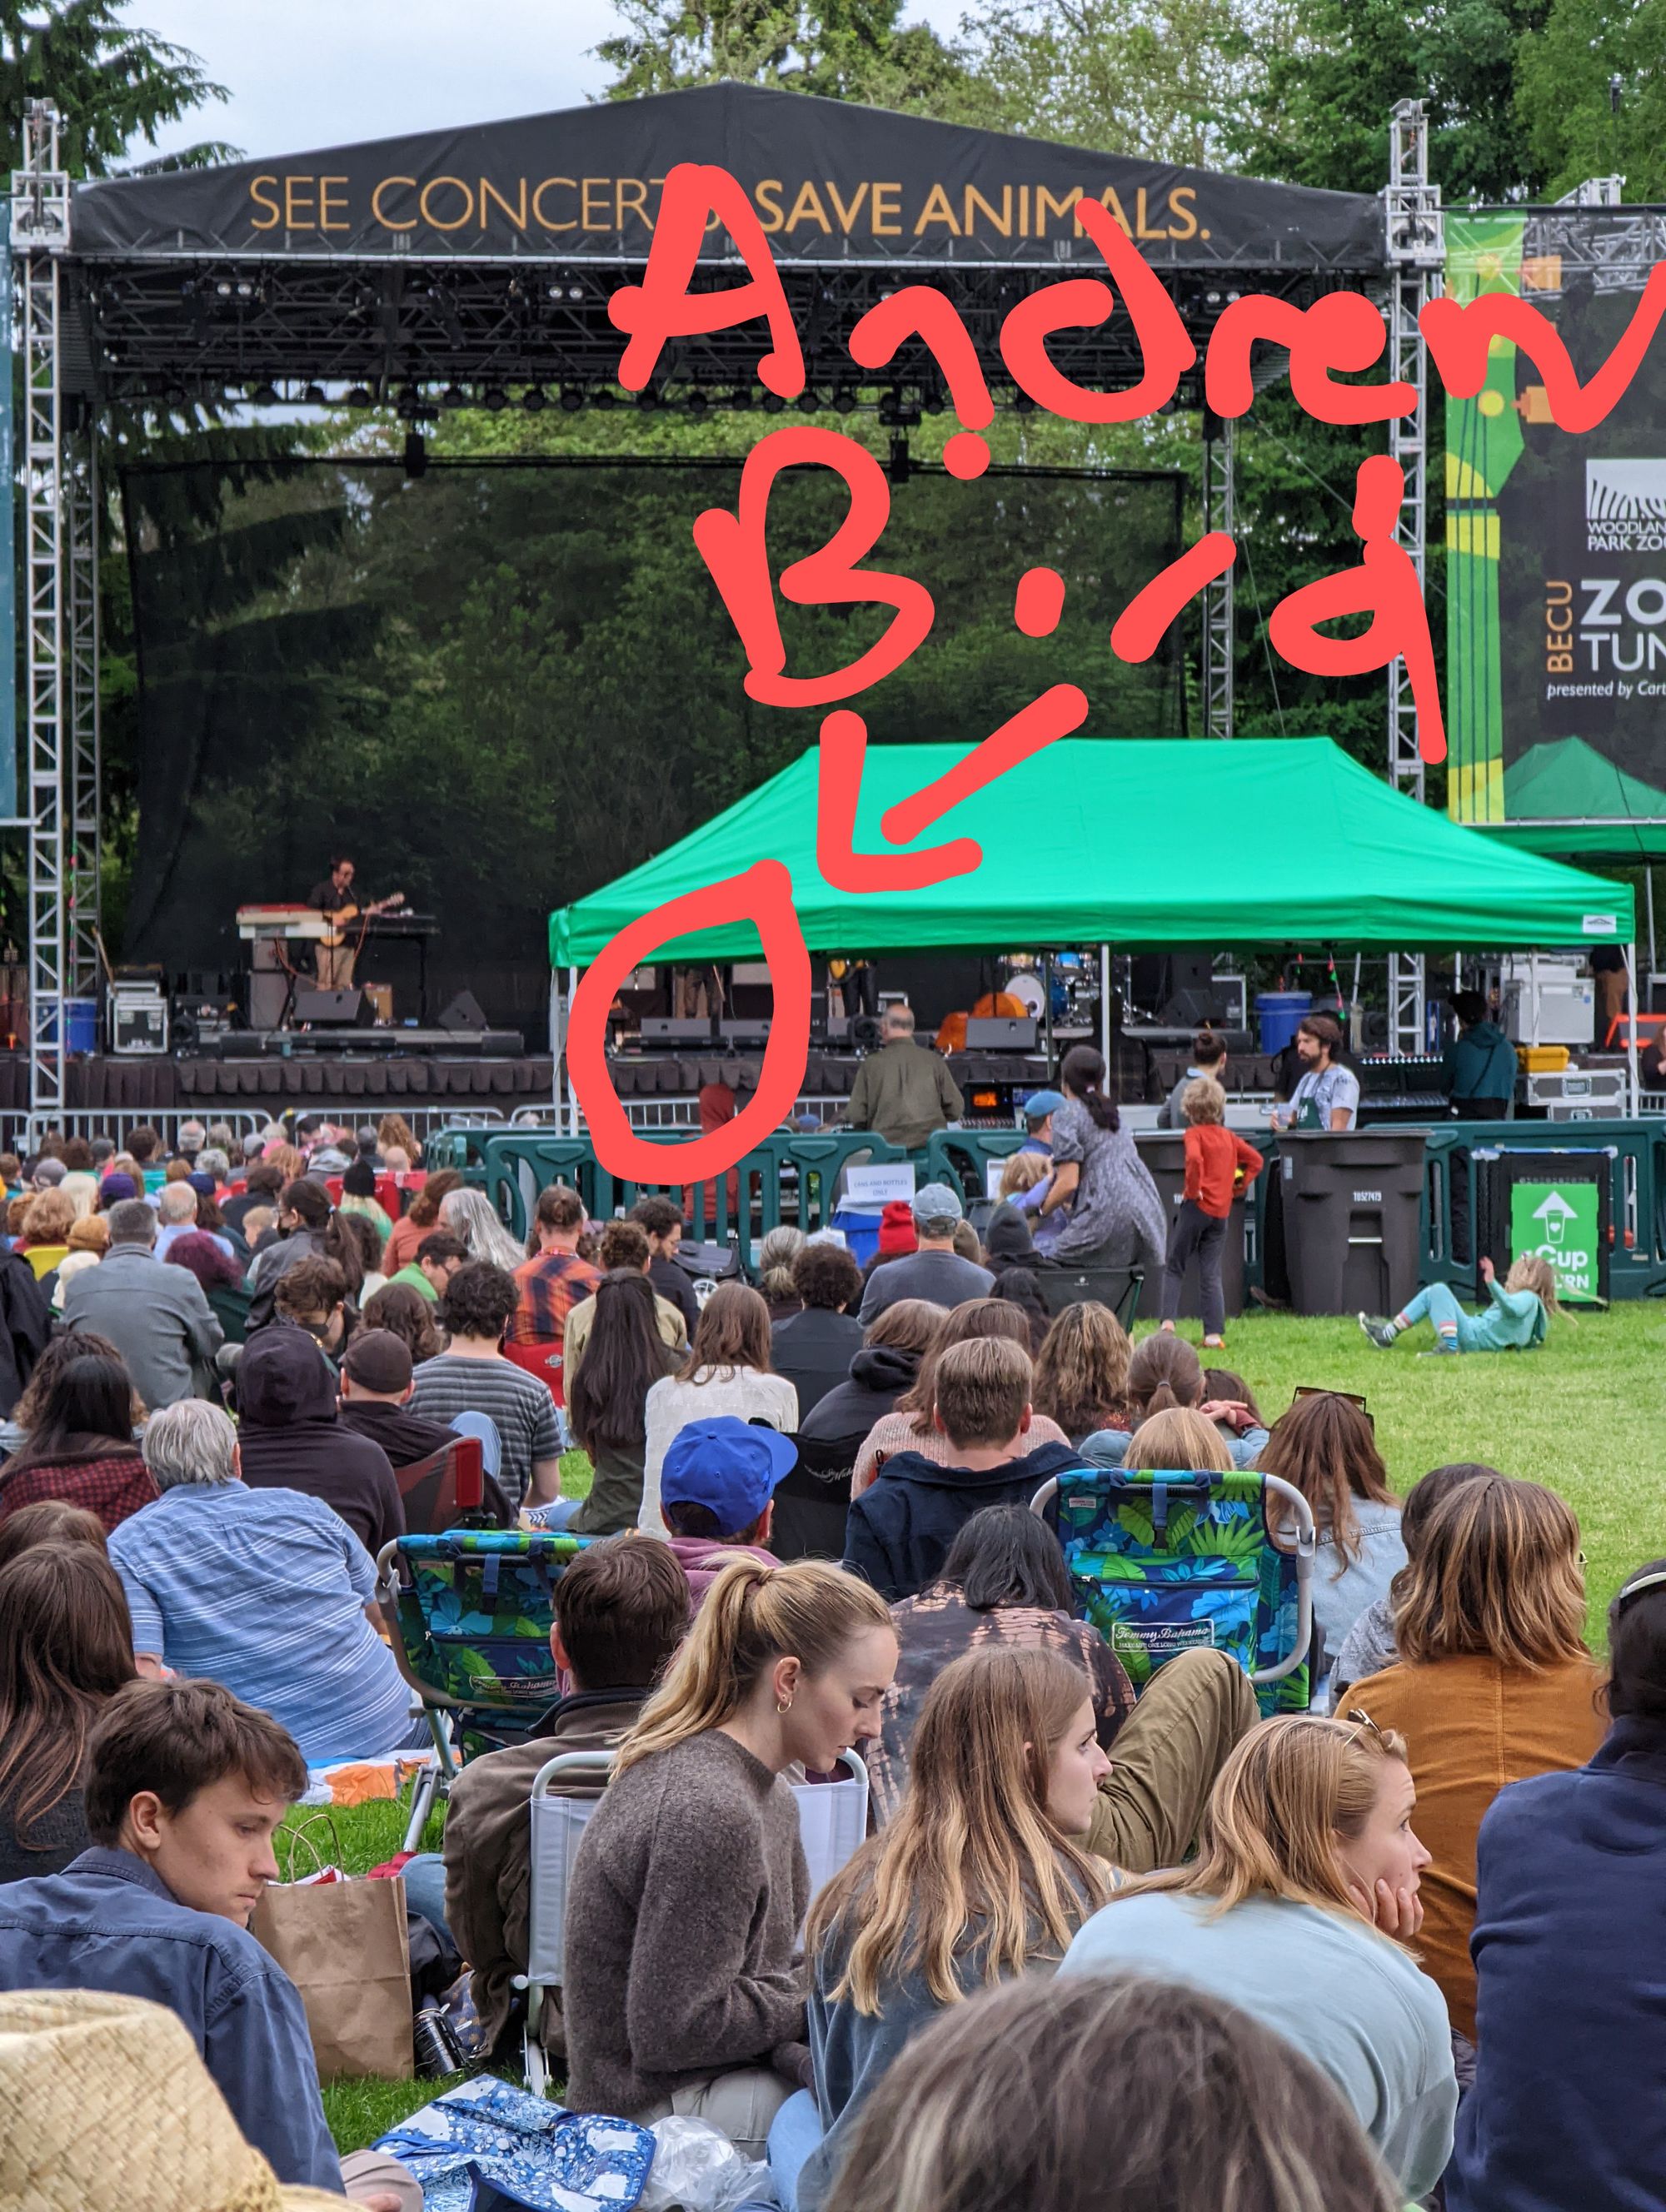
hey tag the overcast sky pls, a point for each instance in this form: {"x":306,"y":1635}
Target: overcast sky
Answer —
{"x":315,"y":73}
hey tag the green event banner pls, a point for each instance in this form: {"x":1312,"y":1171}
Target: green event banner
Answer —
{"x":1556,"y":546}
{"x":1561,"y":1222}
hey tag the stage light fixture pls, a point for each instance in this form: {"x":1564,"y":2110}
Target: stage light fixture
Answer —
{"x":772,"y":403}
{"x":697,"y":403}
{"x":606,"y":399}
{"x":415,"y":455}
{"x":454,"y":396}
{"x":314,"y":397}
{"x":1023,"y":403}
{"x":263,"y":395}
{"x":572,"y":399}
{"x":359,"y":397}
{"x":533,"y":400}
{"x":741,"y":400}
{"x":807,"y":403}
{"x":494,"y":398}
{"x":900,"y":466}
{"x":222,"y":288}
{"x":575,"y":291}
{"x":648,"y":399}
{"x":245,"y":288}
{"x":844,"y":400}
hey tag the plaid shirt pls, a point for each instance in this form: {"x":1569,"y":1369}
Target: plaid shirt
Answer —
{"x":112,"y":1488}
{"x":551,"y":1286}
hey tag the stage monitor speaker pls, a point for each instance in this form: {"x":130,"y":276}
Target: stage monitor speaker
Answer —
{"x":999,"y":1033}
{"x":338,"y":1010}
{"x":463,"y":1013}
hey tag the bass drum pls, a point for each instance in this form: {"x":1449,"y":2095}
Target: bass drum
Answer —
{"x":1027,"y":989}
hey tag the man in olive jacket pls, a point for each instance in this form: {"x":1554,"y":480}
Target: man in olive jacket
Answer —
{"x":621,"y":1608}
{"x":904,"y":1090}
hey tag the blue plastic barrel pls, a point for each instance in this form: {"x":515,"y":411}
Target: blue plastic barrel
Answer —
{"x":1281,"y":1014}
{"x":80,"y":1026}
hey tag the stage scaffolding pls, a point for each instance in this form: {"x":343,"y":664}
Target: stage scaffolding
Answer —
{"x":171,"y":328}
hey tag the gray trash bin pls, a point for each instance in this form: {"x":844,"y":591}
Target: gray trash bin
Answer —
{"x":1351,"y":1202}
{"x":1163,"y":1152}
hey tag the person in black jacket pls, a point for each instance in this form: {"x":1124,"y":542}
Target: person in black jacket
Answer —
{"x":887,"y":1365}
{"x":662,"y":1217}
{"x":814,"y":1348}
{"x":900,"y":1530}
{"x":291,"y":1436}
{"x":26,"y":1322}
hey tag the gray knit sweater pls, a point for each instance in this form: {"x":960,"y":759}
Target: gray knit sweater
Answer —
{"x":687,"y":1895}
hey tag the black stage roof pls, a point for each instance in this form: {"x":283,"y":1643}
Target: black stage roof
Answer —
{"x":488,"y":254}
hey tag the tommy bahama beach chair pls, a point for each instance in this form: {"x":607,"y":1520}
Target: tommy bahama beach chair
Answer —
{"x":1165,"y":1563}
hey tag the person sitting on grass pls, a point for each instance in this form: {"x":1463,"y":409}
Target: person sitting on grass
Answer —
{"x":1493,"y":1683}
{"x":437,"y":1259}
{"x":626,"y":1354}
{"x":1213,"y":2111}
{"x":268,"y":1591}
{"x":1004,"y":1585}
{"x":1082,"y":1371}
{"x":375,"y":1400}
{"x":1303,"y":1892}
{"x":717,"y":1492}
{"x":1164,"y":1371}
{"x":728,"y":1370}
{"x":685,"y":1991}
{"x":814,"y":1348}
{"x":1369,"y":1645}
{"x":1518,"y":1320}
{"x":908,"y":1426}
{"x":979,"y":1878}
{"x":291,"y":1436}
{"x":471,"y":1376}
{"x":624,"y":1245}
{"x":66,"y":1647}
{"x":900,"y":1530}
{"x":409,"y":1314}
{"x":1567,"y":1929}
{"x":186,"y":1788}
{"x":80,"y":1443}
{"x":1326,"y":1447}
{"x":1179,"y":1439}
{"x":621,"y":1610}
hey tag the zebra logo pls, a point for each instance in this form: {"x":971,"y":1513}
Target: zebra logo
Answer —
{"x":1622,"y":493}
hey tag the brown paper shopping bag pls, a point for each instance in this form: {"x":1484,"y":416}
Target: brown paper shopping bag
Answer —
{"x":343,"y":1944}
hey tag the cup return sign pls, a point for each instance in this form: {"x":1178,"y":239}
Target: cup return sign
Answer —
{"x":1559,"y":1220}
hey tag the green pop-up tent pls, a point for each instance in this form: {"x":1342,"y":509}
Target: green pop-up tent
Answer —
{"x":1130,"y":842}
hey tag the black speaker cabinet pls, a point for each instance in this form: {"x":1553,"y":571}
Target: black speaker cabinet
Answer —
{"x":338,"y":1010}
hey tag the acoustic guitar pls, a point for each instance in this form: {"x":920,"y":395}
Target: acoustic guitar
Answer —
{"x":335,"y":934}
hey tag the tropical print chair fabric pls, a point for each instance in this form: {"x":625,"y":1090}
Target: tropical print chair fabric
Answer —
{"x":1165,"y":1563}
{"x":476,"y":1607}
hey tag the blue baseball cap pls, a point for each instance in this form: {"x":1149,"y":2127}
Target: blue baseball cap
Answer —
{"x":1040,"y":1104}
{"x":729,"y":1466}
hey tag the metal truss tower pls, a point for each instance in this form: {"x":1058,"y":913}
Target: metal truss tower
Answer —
{"x":1417,"y":254}
{"x":40,"y":234}
{"x":1218,"y":599}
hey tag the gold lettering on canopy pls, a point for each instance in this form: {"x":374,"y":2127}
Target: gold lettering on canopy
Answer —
{"x":547,"y":222}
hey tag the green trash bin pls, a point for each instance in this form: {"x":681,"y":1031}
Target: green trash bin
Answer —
{"x":1352,"y":1202}
{"x":1163,"y":1152}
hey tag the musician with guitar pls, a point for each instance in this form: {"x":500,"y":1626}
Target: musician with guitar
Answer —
{"x":335,"y":899}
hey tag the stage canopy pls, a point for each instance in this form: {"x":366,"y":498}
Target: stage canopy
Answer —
{"x":1131,"y":842}
{"x":489,"y":252}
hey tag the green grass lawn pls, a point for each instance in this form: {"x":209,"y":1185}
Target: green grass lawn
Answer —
{"x":1573,"y":1415}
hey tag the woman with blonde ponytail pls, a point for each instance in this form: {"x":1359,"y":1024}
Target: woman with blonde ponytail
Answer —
{"x":980,"y":1877}
{"x":684,"y":1992}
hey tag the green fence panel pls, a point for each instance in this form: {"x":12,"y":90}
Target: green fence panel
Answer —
{"x":1637,"y":1196}
{"x":960,"y":1158}
{"x":520,"y":1165}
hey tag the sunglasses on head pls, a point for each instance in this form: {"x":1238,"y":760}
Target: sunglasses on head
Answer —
{"x":1316,"y":1390}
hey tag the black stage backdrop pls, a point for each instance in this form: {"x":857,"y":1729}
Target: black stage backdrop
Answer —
{"x":831,"y":181}
{"x":503,"y":684}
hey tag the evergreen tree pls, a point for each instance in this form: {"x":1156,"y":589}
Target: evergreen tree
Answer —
{"x":111,"y":83}
{"x":840,"y":49}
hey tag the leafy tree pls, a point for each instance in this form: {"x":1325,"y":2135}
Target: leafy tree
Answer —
{"x":840,"y":49}
{"x":111,"y":83}
{"x":1160,"y":78}
{"x":1324,"y":118}
{"x":1578,"y":121}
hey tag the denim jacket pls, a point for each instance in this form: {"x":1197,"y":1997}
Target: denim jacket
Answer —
{"x":109,"y":1923}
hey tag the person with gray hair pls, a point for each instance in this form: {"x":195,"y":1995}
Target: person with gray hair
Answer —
{"x":157,"y":1317}
{"x":266,"y":1591}
{"x":903,"y":1090}
{"x":936,"y":1271}
{"x":471,"y":1215}
{"x":214,"y":1160}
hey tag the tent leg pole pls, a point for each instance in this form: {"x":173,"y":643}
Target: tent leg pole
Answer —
{"x":566,"y":1072}
{"x":1632,"y":1080}
{"x":1104,"y":1006}
{"x":1648,"y":891}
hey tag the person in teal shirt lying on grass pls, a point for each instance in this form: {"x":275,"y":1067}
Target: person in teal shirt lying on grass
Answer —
{"x":1517,"y":1319}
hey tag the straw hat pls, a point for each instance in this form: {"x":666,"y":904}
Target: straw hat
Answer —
{"x":105,"y":2106}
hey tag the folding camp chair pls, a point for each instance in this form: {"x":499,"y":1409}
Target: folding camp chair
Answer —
{"x":832,"y":1825}
{"x":558,"y":1821}
{"x":450,"y":1489}
{"x":468,"y":1613}
{"x":483,"y":1429}
{"x":1165,"y":1563}
{"x":1119,"y":1288}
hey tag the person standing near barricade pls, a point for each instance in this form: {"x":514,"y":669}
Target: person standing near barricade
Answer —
{"x":1328,"y":1095}
{"x":1215,"y":1158}
{"x":904,"y":1090}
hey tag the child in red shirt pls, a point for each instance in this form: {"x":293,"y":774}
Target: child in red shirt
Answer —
{"x":1215,"y":1160}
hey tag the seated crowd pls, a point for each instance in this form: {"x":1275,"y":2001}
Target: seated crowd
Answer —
{"x":1318,"y":1952}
